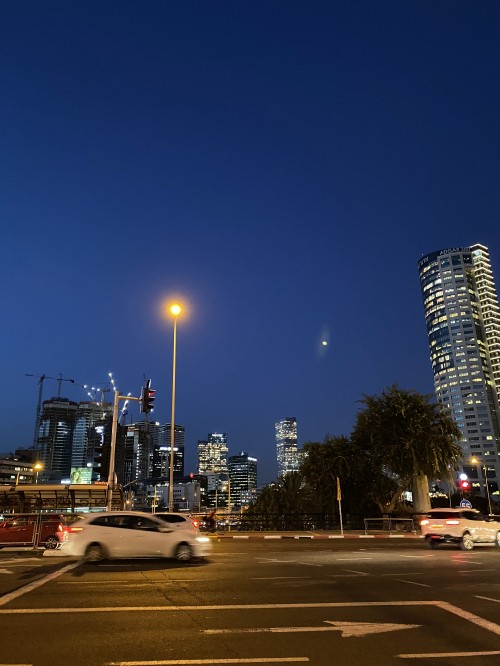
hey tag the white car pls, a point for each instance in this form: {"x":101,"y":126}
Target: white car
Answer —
{"x":179,"y":521}
{"x":464,"y":527}
{"x":126,"y":534}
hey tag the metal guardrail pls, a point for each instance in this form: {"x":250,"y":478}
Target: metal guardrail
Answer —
{"x":390,"y":525}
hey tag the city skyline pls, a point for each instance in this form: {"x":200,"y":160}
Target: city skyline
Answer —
{"x":278,"y":167}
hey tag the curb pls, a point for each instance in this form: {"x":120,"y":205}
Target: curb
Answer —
{"x":315,"y":536}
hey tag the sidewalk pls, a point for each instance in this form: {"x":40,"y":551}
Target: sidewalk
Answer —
{"x":351,"y":534}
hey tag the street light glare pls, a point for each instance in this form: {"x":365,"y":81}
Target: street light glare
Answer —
{"x":175,"y":309}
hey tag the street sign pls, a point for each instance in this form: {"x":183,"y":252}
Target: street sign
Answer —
{"x":465,"y":504}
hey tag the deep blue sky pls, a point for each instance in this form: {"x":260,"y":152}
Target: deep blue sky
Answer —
{"x":282,"y":165}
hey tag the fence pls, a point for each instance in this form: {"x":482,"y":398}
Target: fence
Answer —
{"x":389,"y":524}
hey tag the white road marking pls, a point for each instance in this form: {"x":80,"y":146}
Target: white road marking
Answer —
{"x":5,"y":571}
{"x":352,"y":559}
{"x":497,"y":601}
{"x":347,"y":629}
{"x":411,"y":582}
{"x":181,"y":662}
{"x":429,"y":655}
{"x":443,"y":605}
{"x":360,"y":573}
{"x":413,"y":573}
{"x":473,"y":570}
{"x":465,"y":615}
{"x":416,"y":557}
{"x":37,"y":583}
{"x":279,"y":578}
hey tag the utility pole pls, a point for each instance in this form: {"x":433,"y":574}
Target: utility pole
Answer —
{"x":112,"y":452}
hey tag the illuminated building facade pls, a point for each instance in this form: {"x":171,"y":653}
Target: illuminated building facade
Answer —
{"x":286,"y":445}
{"x":162,"y":458}
{"x":55,"y":437}
{"x":212,"y":453}
{"x":243,"y":477}
{"x":463,"y":328}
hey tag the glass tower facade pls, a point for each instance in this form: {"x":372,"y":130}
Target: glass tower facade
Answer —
{"x":286,"y":445}
{"x":463,"y":328}
{"x":243,"y":476}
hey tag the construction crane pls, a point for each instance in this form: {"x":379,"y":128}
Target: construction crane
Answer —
{"x":41,"y":379}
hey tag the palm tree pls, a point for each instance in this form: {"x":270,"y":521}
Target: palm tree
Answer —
{"x":410,"y":438}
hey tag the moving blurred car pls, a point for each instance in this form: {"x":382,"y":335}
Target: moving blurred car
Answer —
{"x":32,"y":529}
{"x":179,"y":521}
{"x":464,"y":527}
{"x":127,"y":534}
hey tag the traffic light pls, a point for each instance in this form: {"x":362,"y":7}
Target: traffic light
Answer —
{"x":464,"y":485}
{"x":148,"y":398}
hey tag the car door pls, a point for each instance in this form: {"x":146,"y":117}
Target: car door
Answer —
{"x":18,"y":530}
{"x":146,"y":539}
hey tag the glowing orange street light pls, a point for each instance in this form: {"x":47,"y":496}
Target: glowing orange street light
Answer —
{"x":175,"y":310}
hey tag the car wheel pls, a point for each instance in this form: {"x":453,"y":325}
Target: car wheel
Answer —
{"x":51,"y":542}
{"x":497,"y":540}
{"x":94,"y":553}
{"x":432,"y":543}
{"x":467,"y":543}
{"x":183,"y":553}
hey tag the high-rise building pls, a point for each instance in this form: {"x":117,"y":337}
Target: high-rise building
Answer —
{"x":55,"y":437}
{"x":286,"y":445}
{"x":243,"y":477}
{"x":92,"y":422}
{"x":212,"y":453}
{"x":162,"y":460}
{"x":463,"y":328}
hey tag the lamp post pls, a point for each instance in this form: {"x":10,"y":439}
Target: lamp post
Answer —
{"x":37,"y":467}
{"x":175,"y":310}
{"x":484,"y":470}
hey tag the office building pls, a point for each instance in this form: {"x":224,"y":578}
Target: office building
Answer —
{"x":212,"y":453}
{"x":286,"y":445}
{"x":162,"y":452}
{"x":55,"y":438}
{"x":243,"y":477}
{"x":463,"y":328}
{"x":93,"y":421}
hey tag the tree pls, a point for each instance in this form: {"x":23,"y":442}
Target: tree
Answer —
{"x":408,"y":439}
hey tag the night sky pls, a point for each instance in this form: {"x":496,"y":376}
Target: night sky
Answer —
{"x":280,"y":165}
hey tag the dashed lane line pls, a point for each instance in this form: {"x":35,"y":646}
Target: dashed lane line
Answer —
{"x":411,"y":582}
{"x":497,"y":601}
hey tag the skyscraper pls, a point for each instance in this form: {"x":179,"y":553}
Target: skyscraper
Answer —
{"x":212,"y":453}
{"x":286,"y":445}
{"x":55,"y":437}
{"x":243,"y":476}
{"x":463,"y":328}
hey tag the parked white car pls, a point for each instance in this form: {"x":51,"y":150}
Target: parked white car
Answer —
{"x":464,"y":527}
{"x":127,"y":534}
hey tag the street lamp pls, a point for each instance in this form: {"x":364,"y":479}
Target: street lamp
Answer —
{"x":484,"y":470}
{"x":174,"y":310}
{"x":37,"y":467}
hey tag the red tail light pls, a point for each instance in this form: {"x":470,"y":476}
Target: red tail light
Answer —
{"x":196,"y":524}
{"x":76,"y":529}
{"x":452,"y":522}
{"x":424,"y":522}
{"x":60,"y":527}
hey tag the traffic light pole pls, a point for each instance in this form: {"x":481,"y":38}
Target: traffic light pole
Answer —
{"x":112,"y":452}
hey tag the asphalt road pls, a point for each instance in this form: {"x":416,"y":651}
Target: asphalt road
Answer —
{"x":350,"y":602}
